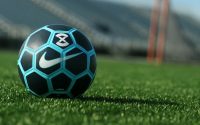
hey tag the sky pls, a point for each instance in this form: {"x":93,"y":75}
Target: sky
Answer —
{"x":189,"y":7}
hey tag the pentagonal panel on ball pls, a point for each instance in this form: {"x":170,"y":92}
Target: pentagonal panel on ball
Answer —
{"x":26,"y":60}
{"x":76,"y":62}
{"x":81,"y":85}
{"x":48,"y":60}
{"x":82,"y":40}
{"x":38,"y":39}
{"x":62,"y":40}
{"x":37,"y":83}
{"x":60,"y":27}
{"x":61,"y":82}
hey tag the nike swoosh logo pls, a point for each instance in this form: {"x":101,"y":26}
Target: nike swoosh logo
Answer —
{"x":43,"y":63}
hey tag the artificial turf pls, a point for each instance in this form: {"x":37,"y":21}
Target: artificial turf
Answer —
{"x":123,"y":93}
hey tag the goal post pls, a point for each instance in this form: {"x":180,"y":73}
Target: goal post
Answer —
{"x":158,"y":30}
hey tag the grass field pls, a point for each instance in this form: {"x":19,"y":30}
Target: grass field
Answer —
{"x":123,"y":93}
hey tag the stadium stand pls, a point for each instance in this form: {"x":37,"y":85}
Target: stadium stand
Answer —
{"x":113,"y":28}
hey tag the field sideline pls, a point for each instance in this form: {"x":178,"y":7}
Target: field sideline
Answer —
{"x":123,"y":93}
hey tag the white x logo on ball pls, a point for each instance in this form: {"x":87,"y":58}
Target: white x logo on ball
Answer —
{"x":62,"y":42}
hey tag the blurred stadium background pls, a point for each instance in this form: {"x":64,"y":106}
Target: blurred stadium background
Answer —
{"x":116,"y":28}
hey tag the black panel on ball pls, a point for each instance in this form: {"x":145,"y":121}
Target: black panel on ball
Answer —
{"x":93,"y":64}
{"x":21,"y":75}
{"x":77,"y":64}
{"x":51,"y":54}
{"x":60,"y":27}
{"x":61,"y":82}
{"x":81,"y":85}
{"x":37,"y":83}
{"x":60,"y":96}
{"x":26,"y":60}
{"x":82,"y":40}
{"x":38,"y":39}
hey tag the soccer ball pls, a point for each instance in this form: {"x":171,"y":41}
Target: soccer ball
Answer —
{"x":56,"y":61}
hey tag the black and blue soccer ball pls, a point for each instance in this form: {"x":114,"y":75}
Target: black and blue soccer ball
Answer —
{"x":56,"y":61}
